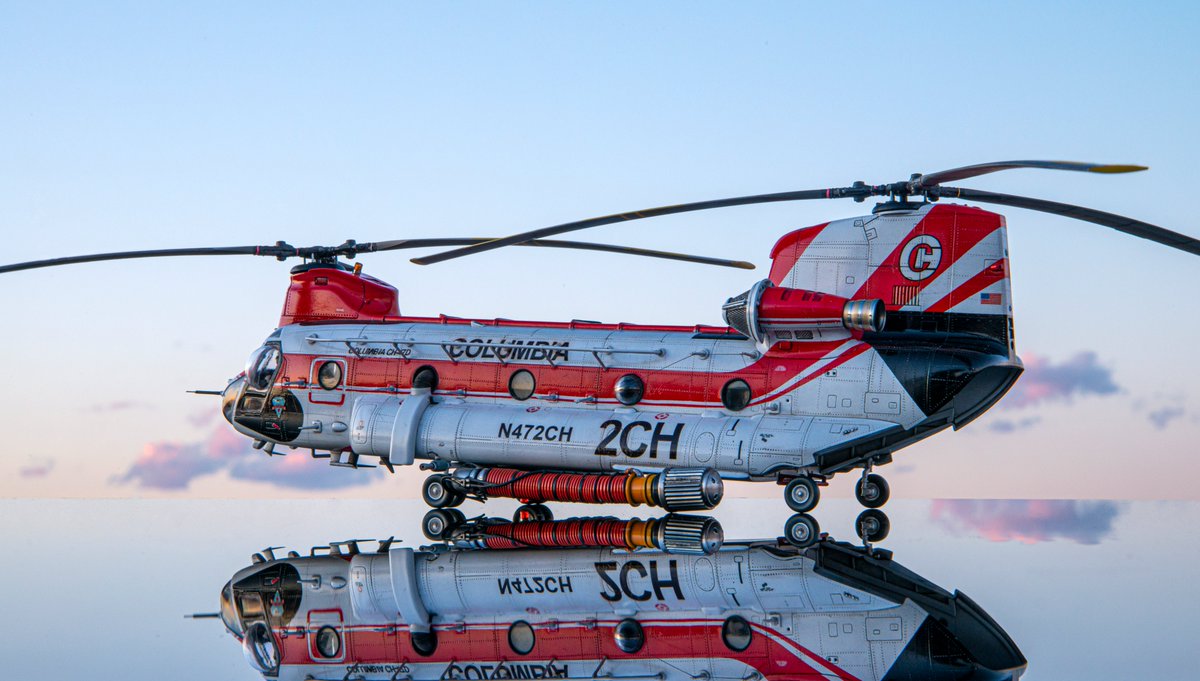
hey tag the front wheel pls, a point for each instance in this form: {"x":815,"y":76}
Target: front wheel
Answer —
{"x":801,"y":530}
{"x":872,"y":492}
{"x":439,"y":523}
{"x":872,"y":525}
{"x":438,"y":493}
{"x":802,"y":494}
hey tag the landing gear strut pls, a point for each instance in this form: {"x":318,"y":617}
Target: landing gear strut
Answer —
{"x":872,"y":490}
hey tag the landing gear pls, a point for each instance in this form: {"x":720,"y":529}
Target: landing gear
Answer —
{"x":872,"y":490}
{"x":802,"y":494}
{"x":801,"y":530}
{"x":439,"y":523}
{"x":532,"y":512}
{"x":872,"y":525}
{"x":439,"y":493}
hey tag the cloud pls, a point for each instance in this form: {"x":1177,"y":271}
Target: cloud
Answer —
{"x":1045,"y":381}
{"x":1164,"y":416}
{"x":1011,"y":426}
{"x":118,"y":405}
{"x":1028,"y":521}
{"x":37,"y":470}
{"x":173,"y":466}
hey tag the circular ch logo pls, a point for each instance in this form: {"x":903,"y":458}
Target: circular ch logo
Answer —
{"x":920,"y":257}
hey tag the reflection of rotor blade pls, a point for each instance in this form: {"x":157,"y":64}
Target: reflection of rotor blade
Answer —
{"x":126,"y":255}
{"x":576,"y":245}
{"x":626,"y":217}
{"x":955,"y":174}
{"x":1138,"y":228}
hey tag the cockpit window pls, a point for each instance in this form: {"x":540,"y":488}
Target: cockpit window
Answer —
{"x":252,"y":605}
{"x":262,"y":367}
{"x":229,"y":615}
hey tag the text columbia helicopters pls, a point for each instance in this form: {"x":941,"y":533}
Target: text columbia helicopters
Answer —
{"x":621,"y":603}
{"x":869,"y":334}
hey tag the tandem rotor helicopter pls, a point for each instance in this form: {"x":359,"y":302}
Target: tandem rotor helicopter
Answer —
{"x":869,"y":334}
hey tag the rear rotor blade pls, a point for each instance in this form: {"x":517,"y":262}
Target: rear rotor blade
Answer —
{"x":1120,"y":223}
{"x":627,"y":217}
{"x":955,"y":174}
{"x":575,"y":245}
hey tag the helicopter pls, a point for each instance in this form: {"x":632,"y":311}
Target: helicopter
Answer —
{"x":869,"y":334}
{"x":750,"y":609}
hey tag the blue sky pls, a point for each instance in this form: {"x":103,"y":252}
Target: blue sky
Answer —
{"x":147,"y":125}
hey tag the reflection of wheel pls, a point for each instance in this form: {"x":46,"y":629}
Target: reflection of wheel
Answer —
{"x":801,"y":530}
{"x":536,"y":512}
{"x":872,"y":525}
{"x":872,"y":492}
{"x":440,"y":522}
{"x":802,"y":494}
{"x":438,"y":493}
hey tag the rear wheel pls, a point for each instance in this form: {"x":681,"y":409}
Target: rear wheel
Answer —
{"x":872,"y":525}
{"x":802,"y":494}
{"x":439,"y":523}
{"x":801,"y":530}
{"x":438,"y":492}
{"x":873,"y":491}
{"x":532,"y":512}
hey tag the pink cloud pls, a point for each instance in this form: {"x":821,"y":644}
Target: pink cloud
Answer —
{"x":1028,"y":521}
{"x":173,"y":465}
{"x":37,"y":470}
{"x":1045,"y":380}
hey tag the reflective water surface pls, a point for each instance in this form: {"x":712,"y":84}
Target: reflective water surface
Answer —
{"x":1084,"y":589}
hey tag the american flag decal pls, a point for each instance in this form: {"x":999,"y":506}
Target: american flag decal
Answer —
{"x":991,"y":298}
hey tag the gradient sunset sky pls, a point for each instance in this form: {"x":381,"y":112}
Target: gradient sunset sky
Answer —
{"x":129,"y":126}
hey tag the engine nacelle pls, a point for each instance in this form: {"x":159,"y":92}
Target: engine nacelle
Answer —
{"x":766,"y":310}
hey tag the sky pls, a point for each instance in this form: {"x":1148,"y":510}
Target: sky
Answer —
{"x":148,"y":125}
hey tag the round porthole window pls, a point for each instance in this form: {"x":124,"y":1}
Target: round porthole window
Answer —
{"x":424,"y":642}
{"x":736,"y":633}
{"x":521,"y":637}
{"x":522,"y":384}
{"x":329,"y":642}
{"x":426,"y":378}
{"x":259,"y":648}
{"x":629,"y":635}
{"x":329,"y":376}
{"x":735,"y":395}
{"x":629,"y":389}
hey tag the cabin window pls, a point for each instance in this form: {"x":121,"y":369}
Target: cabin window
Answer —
{"x":521,"y":637}
{"x":329,"y":642}
{"x":629,"y":389}
{"x":629,"y":636}
{"x":329,"y":376}
{"x":425,"y":378}
{"x":522,"y":384}
{"x":736,"y":633}
{"x":735,"y":395}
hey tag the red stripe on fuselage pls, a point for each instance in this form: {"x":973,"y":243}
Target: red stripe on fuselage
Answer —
{"x":787,"y":251}
{"x":970,"y":287}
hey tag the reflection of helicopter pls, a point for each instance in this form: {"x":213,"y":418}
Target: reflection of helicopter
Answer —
{"x":758,"y":609}
{"x":869,"y":334}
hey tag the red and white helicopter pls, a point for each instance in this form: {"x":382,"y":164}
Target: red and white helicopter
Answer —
{"x":607,"y":608}
{"x":869,"y":334}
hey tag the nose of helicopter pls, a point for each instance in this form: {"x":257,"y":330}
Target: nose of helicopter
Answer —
{"x":961,"y":644}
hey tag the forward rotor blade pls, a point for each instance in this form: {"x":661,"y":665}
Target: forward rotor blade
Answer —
{"x":955,"y":174}
{"x":626,"y":217}
{"x":127,"y":255}
{"x":575,"y":245}
{"x":1120,"y":223}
